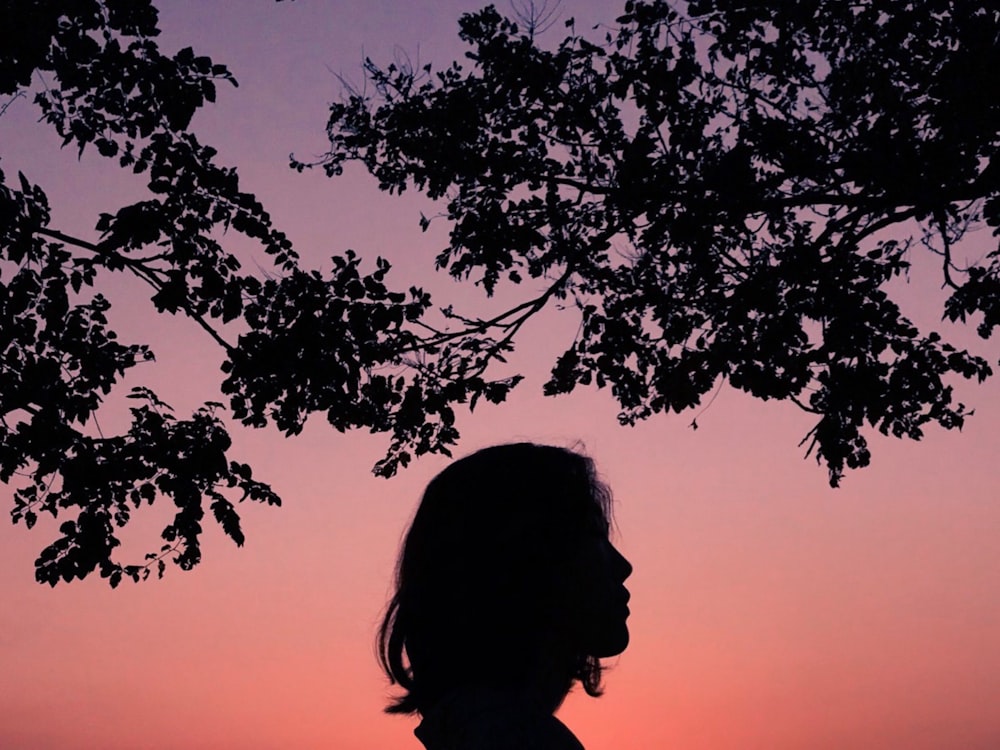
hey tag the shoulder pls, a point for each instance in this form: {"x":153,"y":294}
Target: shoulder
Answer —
{"x":525,"y":732}
{"x":472,"y":723}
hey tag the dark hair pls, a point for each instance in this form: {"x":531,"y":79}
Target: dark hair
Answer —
{"x":486,"y":577}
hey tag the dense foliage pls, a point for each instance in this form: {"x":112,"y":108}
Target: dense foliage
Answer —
{"x":723,"y":191}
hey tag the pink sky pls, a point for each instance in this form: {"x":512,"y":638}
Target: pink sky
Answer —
{"x":769,"y":611}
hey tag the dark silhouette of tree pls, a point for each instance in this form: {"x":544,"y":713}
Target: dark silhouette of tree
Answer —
{"x":109,"y":87}
{"x":721,"y":190}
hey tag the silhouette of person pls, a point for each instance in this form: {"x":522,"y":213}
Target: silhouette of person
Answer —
{"x":508,"y":591}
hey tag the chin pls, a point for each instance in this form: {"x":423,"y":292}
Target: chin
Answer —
{"x":614,"y":644}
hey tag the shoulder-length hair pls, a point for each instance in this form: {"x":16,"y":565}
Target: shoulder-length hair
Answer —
{"x":487,"y":576}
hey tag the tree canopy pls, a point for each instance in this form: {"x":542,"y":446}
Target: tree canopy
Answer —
{"x":723,"y":192}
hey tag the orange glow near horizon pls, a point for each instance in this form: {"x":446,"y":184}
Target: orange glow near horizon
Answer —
{"x":768,"y":611}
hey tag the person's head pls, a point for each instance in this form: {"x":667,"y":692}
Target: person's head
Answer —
{"x":506,"y":579}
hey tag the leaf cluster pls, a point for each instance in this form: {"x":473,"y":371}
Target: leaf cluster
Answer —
{"x":108,"y":86}
{"x":724,"y":190}
{"x":341,"y":343}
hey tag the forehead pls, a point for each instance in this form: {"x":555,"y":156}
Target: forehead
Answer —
{"x":597,"y":519}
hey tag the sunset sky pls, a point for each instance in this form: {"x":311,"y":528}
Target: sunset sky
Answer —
{"x":768,"y":610}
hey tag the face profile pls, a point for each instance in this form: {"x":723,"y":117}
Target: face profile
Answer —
{"x":605,"y":613}
{"x":508,"y":592}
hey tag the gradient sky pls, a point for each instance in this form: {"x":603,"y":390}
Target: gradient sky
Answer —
{"x":769,"y":611}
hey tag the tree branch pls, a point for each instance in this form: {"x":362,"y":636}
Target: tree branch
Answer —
{"x":140,"y":270}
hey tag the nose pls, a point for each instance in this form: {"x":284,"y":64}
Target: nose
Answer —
{"x":622,"y":565}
